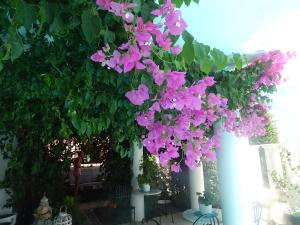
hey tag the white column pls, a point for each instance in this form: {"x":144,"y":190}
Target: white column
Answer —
{"x":137,"y":198}
{"x":234,"y":171}
{"x":196,"y":185}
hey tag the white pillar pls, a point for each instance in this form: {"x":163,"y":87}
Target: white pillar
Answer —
{"x":196,"y":185}
{"x":234,"y":171}
{"x":137,"y":198}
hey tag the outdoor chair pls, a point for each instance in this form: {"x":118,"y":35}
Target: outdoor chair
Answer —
{"x":209,"y":220}
{"x":257,"y":211}
{"x":8,"y":219}
{"x":6,"y":216}
{"x":163,"y":207}
{"x":122,"y":197}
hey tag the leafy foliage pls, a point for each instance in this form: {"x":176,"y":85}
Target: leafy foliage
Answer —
{"x":271,"y":136}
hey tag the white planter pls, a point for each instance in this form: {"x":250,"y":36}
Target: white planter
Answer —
{"x":205,"y":209}
{"x":146,"y":187}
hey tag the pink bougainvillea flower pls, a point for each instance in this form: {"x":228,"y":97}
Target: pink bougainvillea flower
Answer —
{"x":175,"y":79}
{"x":163,"y":40}
{"x":124,"y":46}
{"x":176,"y":25}
{"x":106,"y":48}
{"x":199,"y":117}
{"x":119,"y":9}
{"x":99,"y":56}
{"x":192,"y":156}
{"x":114,"y":61}
{"x":145,"y":119}
{"x":190,"y":100}
{"x":145,"y":51}
{"x":213,"y":100}
{"x":104,"y":3}
{"x":139,"y":96}
{"x":132,"y":59}
{"x":155,"y":107}
{"x":141,"y":34}
{"x":167,"y":7}
{"x":128,"y":17}
{"x":209,"y":81}
{"x":171,"y":100}
{"x":175,"y":50}
{"x":175,"y":168}
{"x":158,"y":74}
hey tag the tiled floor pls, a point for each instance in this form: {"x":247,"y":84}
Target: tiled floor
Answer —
{"x":178,"y":220}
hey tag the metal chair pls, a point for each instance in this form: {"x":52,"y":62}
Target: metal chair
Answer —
{"x":122,"y":197}
{"x":163,"y":208}
{"x":257,"y":211}
{"x":211,"y":220}
{"x":8,"y":219}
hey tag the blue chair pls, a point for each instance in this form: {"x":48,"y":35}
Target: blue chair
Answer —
{"x":211,"y":219}
{"x":257,"y":211}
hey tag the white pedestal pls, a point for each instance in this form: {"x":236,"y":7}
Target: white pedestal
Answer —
{"x":234,"y":168}
{"x":137,"y":200}
{"x":196,"y":185}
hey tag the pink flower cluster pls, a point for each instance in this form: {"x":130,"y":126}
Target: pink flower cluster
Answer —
{"x":274,"y":62}
{"x":253,"y":120}
{"x":136,"y":54}
{"x":180,"y":116}
{"x":186,"y":114}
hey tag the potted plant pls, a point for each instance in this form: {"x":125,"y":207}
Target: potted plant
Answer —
{"x":206,"y":201}
{"x":150,"y":174}
{"x":144,"y":182}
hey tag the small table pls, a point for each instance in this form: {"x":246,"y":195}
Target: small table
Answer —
{"x":151,"y":192}
{"x":137,"y":200}
{"x":192,"y":215}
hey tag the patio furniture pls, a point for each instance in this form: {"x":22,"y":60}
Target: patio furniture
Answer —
{"x":208,"y":219}
{"x":6,"y":215}
{"x":163,"y":208}
{"x":149,"y":193}
{"x":196,"y":217}
{"x":122,"y":198}
{"x":257,"y":211}
{"x":8,"y":219}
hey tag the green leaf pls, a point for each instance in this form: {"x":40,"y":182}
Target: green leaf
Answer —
{"x":109,"y":36}
{"x":58,"y":26}
{"x":187,"y":37}
{"x":196,"y":1}
{"x":205,"y":65}
{"x":145,"y":11}
{"x":201,"y":50}
{"x":91,"y":25}
{"x":26,"y":13}
{"x":15,"y":42}
{"x":188,"y":53}
{"x":220,"y":59}
{"x":48,"y":11}
{"x":137,"y":9}
{"x":237,"y":60}
{"x":178,"y":3}
{"x":1,"y":66}
{"x":187,"y":2}
{"x":75,"y":122}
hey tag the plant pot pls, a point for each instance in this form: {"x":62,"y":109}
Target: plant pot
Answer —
{"x":205,"y":209}
{"x":146,"y":187}
{"x":292,"y":219}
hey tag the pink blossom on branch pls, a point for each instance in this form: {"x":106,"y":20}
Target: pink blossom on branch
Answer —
{"x":139,"y":96}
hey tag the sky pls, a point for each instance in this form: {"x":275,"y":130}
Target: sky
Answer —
{"x":248,"y":26}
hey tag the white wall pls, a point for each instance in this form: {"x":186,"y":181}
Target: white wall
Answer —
{"x":3,"y":165}
{"x":3,"y":195}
